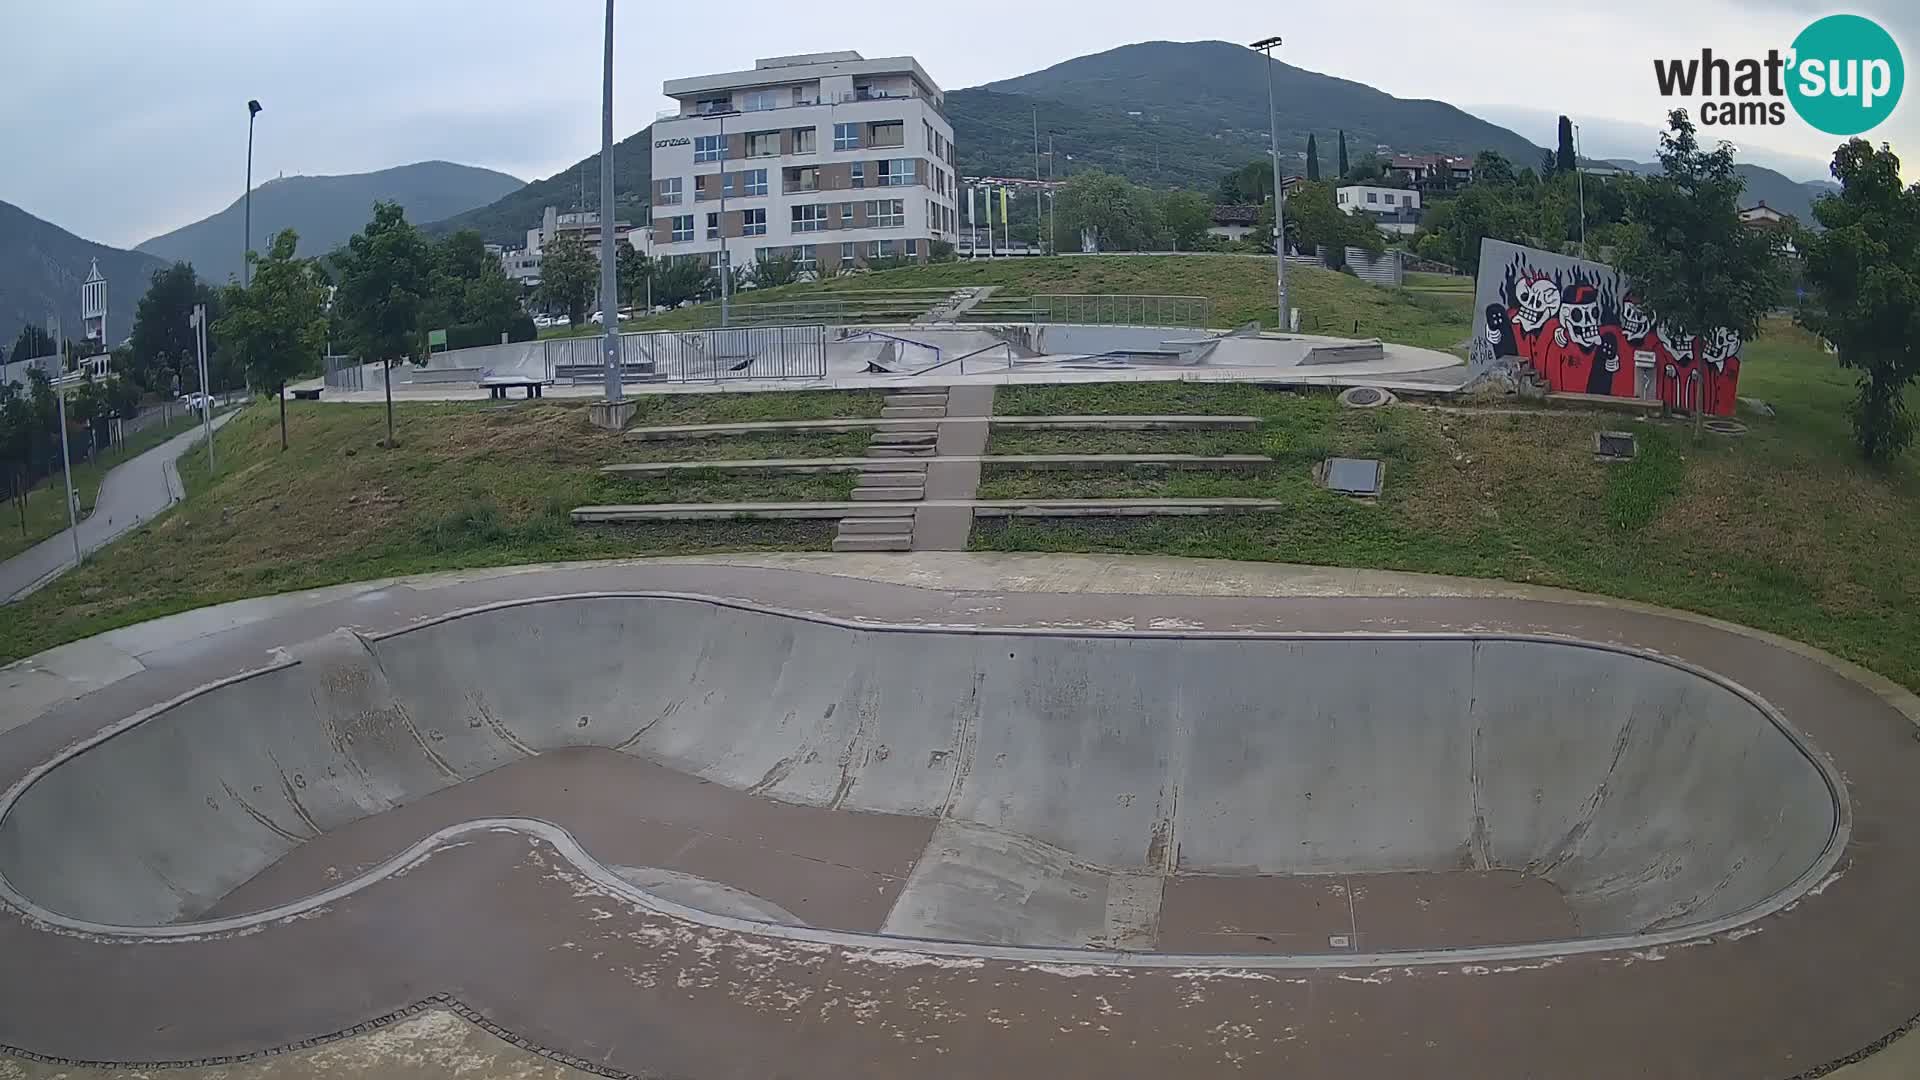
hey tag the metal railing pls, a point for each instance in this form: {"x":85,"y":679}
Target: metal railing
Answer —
{"x":344,"y":373}
{"x":1118,"y":309}
{"x":741,"y":352}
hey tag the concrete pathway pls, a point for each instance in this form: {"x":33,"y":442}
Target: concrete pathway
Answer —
{"x":131,"y":493}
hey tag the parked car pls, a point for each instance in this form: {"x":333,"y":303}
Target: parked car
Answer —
{"x":197,"y":401}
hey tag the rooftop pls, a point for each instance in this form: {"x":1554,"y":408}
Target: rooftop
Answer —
{"x":783,"y":70}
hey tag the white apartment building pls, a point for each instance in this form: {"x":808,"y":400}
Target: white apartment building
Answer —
{"x":831,"y":157}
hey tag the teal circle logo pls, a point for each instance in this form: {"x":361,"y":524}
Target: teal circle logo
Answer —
{"x":1846,"y":76}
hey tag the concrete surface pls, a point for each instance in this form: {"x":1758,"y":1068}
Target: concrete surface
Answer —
{"x":565,"y":962}
{"x":130,"y":493}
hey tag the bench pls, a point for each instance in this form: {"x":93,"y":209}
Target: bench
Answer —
{"x":307,"y":395}
{"x":497,"y":388}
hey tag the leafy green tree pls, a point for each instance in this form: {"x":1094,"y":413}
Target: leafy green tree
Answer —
{"x":676,"y":281}
{"x":1187,"y":215}
{"x":1492,"y":167}
{"x":631,"y":269}
{"x":1564,"y":159}
{"x":1366,"y":169}
{"x":471,"y":295}
{"x":165,"y":354}
{"x":1315,"y":221}
{"x":1342,"y":161}
{"x":32,"y":343}
{"x":1249,"y":184}
{"x":389,"y":275}
{"x":1313,"y":158}
{"x":1865,"y":273}
{"x":16,"y":445}
{"x":568,"y":277}
{"x":1117,"y":214}
{"x":276,"y":325}
{"x":771,"y":271}
{"x":1549,"y":161}
{"x":1687,"y":253}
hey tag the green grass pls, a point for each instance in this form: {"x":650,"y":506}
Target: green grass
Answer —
{"x":46,"y":505}
{"x":1131,"y":483}
{"x":658,"y":410}
{"x":760,"y":446}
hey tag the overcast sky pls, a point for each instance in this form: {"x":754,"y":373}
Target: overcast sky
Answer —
{"x":122,"y":119}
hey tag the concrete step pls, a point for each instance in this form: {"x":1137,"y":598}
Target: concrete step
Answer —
{"x":891,"y":480}
{"x":900,"y":451}
{"x":903,"y":438}
{"x":873,"y":543}
{"x":901,"y":401}
{"x":877,"y":526}
{"x":912,"y":412}
{"x":893,"y":466}
{"x":884,"y":494}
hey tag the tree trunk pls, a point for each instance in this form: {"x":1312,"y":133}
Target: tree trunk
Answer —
{"x":281,"y":393}
{"x":386,"y":368}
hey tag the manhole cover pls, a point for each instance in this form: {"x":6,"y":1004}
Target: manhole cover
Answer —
{"x":1365,"y":397}
{"x":1722,"y":426}
{"x":1353,"y":476}
{"x":1614,"y":445}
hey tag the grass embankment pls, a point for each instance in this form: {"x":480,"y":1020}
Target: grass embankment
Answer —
{"x":1240,"y":287}
{"x":470,"y":484}
{"x":1781,"y":529}
{"x":46,"y":506}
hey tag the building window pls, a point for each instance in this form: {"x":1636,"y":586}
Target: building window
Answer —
{"x":859,"y":174}
{"x":880,"y":249}
{"x":846,"y":136}
{"x":713,"y":226}
{"x":1373,"y":196}
{"x":896,"y":172}
{"x":892,"y":133}
{"x":757,"y":100}
{"x":683,"y":228}
{"x":1389,"y":200}
{"x":846,"y":253}
{"x":807,"y":179}
{"x":806,"y":258}
{"x":753,"y":182}
{"x":927,"y":129}
{"x":670,"y":191}
{"x":811,"y":217}
{"x":763,"y":144}
{"x":753,"y":222}
{"x":714,"y":105}
{"x":846,"y":215}
{"x":913,"y":248}
{"x":887,"y":213}
{"x":726,"y":184}
{"x":709,"y":148}
{"x":804,"y":140}
{"x":1343,"y":197}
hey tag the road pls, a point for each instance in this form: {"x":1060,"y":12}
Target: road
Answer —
{"x":130,"y":494}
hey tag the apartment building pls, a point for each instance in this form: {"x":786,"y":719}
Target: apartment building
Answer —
{"x":830,"y":157}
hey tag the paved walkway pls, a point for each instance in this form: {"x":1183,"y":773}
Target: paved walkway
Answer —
{"x":515,"y":932}
{"x":131,"y":493}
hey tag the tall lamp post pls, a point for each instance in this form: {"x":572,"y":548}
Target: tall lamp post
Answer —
{"x":609,"y":284}
{"x":1580,"y":182}
{"x":246,"y":270}
{"x":1265,"y":47}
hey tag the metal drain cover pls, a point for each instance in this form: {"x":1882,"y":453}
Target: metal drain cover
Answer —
{"x":1365,"y":397}
{"x":1353,"y":476}
{"x":1723,"y":426}
{"x":1614,"y":445}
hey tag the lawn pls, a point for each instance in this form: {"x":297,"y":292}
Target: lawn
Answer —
{"x":1781,"y":529}
{"x":1241,"y":288}
{"x":46,"y":505}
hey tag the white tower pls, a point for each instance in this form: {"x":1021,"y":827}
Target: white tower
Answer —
{"x":93,"y":307}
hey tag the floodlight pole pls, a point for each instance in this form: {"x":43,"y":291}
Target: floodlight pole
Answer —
{"x":1265,"y":47}
{"x":609,"y":285}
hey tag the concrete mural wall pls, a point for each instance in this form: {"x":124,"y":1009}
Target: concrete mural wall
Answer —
{"x":1578,"y":327}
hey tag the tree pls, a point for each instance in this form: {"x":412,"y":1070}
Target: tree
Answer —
{"x":16,"y":445}
{"x":1549,"y":161}
{"x":1313,"y":158}
{"x":1865,"y":273}
{"x":387,"y":279}
{"x":1565,"y":160}
{"x":1251,"y":183}
{"x":32,"y":343}
{"x":1112,"y":209}
{"x":1342,"y":160}
{"x":631,"y":269}
{"x":1687,"y":253}
{"x":1492,"y":167}
{"x":568,"y":277}
{"x":165,"y":352}
{"x":1315,"y":220}
{"x":770,"y":271}
{"x":276,"y":325}
{"x":1187,"y":215}
{"x":676,"y":281}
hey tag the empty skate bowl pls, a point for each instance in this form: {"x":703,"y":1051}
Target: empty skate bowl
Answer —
{"x":1281,"y":799}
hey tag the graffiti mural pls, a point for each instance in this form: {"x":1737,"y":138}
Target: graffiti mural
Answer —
{"x":1577,"y":327}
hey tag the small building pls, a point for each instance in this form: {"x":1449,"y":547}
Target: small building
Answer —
{"x":1762,"y":216}
{"x":1233,"y":222}
{"x":522,"y":266}
{"x":1394,"y":210}
{"x":1430,"y":171}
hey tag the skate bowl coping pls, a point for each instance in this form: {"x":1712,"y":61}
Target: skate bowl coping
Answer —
{"x":1661,"y":800}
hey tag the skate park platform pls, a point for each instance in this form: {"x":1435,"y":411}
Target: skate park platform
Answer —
{"x":930,"y":813}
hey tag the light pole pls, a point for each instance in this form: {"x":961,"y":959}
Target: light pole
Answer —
{"x":609,"y":286}
{"x":1580,"y":183}
{"x":198,"y":320}
{"x":1053,"y":210}
{"x":1265,"y":46}
{"x":66,"y":463}
{"x":726,"y":271}
{"x":1037,"y":215}
{"x":246,"y":270}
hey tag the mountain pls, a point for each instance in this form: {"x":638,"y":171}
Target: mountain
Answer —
{"x":1165,"y":112}
{"x":507,"y":218}
{"x":42,"y":266}
{"x":325,"y":210}
{"x":1603,"y":138}
{"x":1784,"y":194}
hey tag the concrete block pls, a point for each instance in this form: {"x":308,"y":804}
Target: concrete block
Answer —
{"x":889,"y":494}
{"x":612,"y":415}
{"x":912,"y":412}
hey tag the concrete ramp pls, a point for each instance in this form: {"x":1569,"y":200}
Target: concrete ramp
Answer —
{"x":1071,"y":775}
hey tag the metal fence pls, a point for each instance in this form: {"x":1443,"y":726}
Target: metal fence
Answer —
{"x":1116,"y":309}
{"x":741,"y":352}
{"x":344,"y":373}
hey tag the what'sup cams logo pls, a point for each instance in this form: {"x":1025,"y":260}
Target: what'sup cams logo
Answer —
{"x":1843,"y":75}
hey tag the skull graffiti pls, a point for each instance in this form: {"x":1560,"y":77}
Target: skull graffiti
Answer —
{"x":1539,"y":301}
{"x":1580,"y":315}
{"x":1718,"y":346}
{"x":1635,"y":321}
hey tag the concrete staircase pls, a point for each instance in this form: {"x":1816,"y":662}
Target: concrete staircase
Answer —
{"x":893,"y":477}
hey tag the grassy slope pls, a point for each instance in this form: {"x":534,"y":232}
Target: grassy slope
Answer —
{"x":1241,"y":288}
{"x":46,"y":505}
{"x":1780,"y":529}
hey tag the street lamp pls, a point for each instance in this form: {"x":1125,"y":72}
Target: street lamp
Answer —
{"x":1265,"y":47}
{"x":66,"y":460}
{"x":253,"y":110}
{"x":609,"y":284}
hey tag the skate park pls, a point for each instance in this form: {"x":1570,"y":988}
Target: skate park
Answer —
{"x":951,"y":812}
